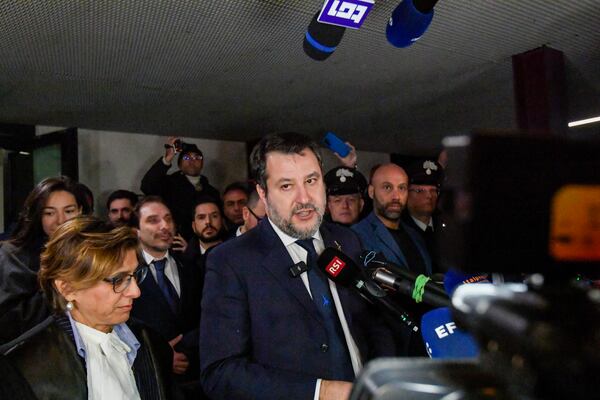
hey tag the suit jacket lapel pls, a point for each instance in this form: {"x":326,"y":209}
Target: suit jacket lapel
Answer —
{"x":386,"y":238}
{"x":278,"y":261}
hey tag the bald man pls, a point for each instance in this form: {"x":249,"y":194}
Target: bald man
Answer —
{"x":384,"y":232}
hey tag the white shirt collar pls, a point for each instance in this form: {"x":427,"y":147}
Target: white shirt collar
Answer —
{"x":421,"y":225}
{"x":149,"y":257}
{"x":287,"y":239}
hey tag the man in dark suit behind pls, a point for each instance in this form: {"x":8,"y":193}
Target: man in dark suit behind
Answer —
{"x":170,"y":299}
{"x":262,"y":334}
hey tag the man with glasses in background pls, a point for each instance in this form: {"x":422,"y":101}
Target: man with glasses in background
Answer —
{"x":425,"y":182}
{"x":182,"y":188}
{"x":253,"y":212}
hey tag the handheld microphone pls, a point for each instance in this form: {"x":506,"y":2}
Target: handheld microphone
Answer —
{"x":321,"y":40}
{"x":443,"y":339}
{"x":342,"y":270}
{"x":409,"y":21}
{"x":403,"y":280}
{"x":406,"y":287}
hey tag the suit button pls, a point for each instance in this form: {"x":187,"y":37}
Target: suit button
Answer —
{"x":324,"y":347}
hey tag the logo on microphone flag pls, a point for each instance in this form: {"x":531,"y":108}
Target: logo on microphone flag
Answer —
{"x":346,"y":13}
{"x":335,"y":266}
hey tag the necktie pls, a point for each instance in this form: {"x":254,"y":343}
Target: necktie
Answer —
{"x":319,"y":288}
{"x":165,"y":285}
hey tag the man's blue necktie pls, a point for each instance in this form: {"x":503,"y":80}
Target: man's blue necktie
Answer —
{"x":165,"y":285}
{"x":319,"y":288}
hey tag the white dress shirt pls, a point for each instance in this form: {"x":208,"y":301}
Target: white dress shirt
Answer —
{"x":171,"y":271}
{"x":109,"y":375}
{"x":298,"y":254}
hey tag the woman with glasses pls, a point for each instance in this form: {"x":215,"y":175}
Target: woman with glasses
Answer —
{"x":22,"y":306}
{"x":88,"y":349}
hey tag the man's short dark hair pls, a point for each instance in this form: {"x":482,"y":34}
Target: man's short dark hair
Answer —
{"x":253,"y":198}
{"x":207,"y":200}
{"x":122,"y":194}
{"x":147,"y":200}
{"x":241,"y":186}
{"x":287,"y":143}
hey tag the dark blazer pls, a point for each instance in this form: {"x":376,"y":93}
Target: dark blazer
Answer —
{"x":179,"y":194}
{"x":47,"y":359}
{"x":22,"y":303}
{"x":152,"y":308}
{"x":261,"y":335}
{"x":375,"y":236}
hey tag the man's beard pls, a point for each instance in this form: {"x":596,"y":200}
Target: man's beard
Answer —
{"x":216,"y":237}
{"x":382,"y":210}
{"x":289,"y":228}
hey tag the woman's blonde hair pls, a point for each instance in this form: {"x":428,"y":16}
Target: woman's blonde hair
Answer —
{"x":82,"y":252}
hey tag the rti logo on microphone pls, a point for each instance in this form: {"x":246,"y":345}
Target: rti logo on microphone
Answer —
{"x":335,"y":267}
{"x":347,"y":13}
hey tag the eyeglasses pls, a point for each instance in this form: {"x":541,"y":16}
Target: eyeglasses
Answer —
{"x":421,"y":191}
{"x":258,"y":219}
{"x":192,"y":157}
{"x":121,"y":281}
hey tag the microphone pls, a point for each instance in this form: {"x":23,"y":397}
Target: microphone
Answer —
{"x":403,"y":280}
{"x":321,"y":40}
{"x":342,"y":270}
{"x":453,"y":278}
{"x":297,"y":269}
{"x":409,"y":21}
{"x":406,"y":287}
{"x":443,"y":339}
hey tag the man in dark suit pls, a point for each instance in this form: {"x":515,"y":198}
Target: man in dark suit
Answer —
{"x":182,"y":188}
{"x":425,"y":181}
{"x":267,"y":333}
{"x":169,"y":302}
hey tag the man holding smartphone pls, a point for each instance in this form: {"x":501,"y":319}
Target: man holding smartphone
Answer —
{"x":182,"y":188}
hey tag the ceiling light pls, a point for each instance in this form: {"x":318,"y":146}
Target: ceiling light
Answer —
{"x":584,"y":121}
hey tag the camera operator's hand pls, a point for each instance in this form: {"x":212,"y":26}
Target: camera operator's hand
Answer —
{"x":350,"y":160}
{"x":170,"y":150}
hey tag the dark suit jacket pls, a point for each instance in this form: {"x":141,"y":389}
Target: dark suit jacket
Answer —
{"x":152,"y":308}
{"x":375,"y":236}
{"x":47,"y":359}
{"x":179,"y":194}
{"x":261,"y":335}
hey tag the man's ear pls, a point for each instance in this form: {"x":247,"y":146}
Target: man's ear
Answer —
{"x":245,"y":213}
{"x":362,"y":204}
{"x":261,"y":193}
{"x":371,"y":190}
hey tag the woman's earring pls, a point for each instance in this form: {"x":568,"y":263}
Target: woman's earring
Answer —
{"x":69,"y":306}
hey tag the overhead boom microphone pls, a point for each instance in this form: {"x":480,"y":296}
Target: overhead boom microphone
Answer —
{"x":342,"y":270}
{"x":321,"y":40}
{"x":409,"y":21}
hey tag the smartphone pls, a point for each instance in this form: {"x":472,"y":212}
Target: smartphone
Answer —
{"x":336,"y":144}
{"x":177,"y":146}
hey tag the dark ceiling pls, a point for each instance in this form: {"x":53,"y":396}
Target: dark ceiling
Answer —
{"x":235,"y":69}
